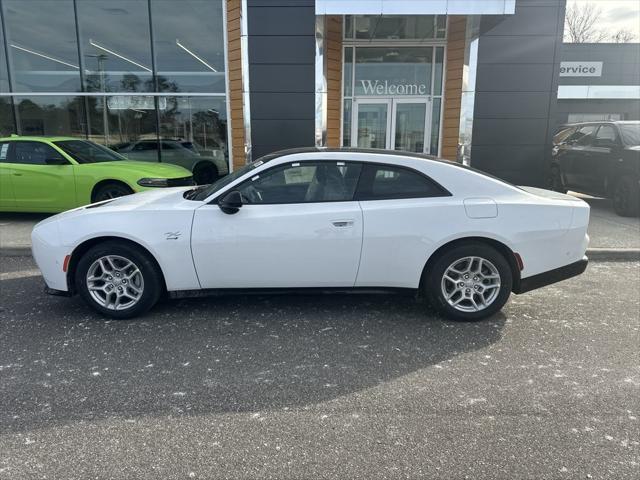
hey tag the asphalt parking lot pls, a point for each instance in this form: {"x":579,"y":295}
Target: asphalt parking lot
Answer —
{"x":314,"y":387}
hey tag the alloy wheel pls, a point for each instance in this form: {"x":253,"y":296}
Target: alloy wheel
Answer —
{"x":115,"y":282}
{"x":471,"y":284}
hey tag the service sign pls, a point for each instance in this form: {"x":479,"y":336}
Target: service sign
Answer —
{"x":581,"y":69}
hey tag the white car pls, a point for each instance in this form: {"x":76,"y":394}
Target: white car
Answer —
{"x":320,"y":219}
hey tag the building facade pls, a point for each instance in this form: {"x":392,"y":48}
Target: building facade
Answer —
{"x":472,"y":80}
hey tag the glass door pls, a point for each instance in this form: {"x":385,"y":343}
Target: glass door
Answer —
{"x":392,"y":124}
{"x":371,"y":124}
{"x":409,"y":125}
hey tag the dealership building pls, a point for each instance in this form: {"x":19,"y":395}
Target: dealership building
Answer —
{"x":473,"y":80}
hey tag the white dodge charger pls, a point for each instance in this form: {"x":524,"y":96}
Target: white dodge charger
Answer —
{"x":325,"y":220}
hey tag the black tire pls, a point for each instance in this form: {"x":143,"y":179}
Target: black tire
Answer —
{"x":153,"y":284}
{"x":555,"y":180}
{"x":205,"y":174}
{"x":110,"y":190}
{"x":433,"y":283}
{"x":626,"y":197}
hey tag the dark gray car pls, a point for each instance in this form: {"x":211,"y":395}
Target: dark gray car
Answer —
{"x":600,"y":159}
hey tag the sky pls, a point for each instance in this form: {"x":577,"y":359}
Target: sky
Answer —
{"x":617,"y":14}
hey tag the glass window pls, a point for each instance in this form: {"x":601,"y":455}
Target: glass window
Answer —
{"x":197,"y":124}
{"x":347,"y":73}
{"x":303,"y":183}
{"x":4,"y":71}
{"x":630,"y":133}
{"x":395,"y":27}
{"x":435,"y":126}
{"x":437,"y":77}
{"x":393,"y":71}
{"x":118,"y":120}
{"x":4,"y":152}
{"x":606,"y":136}
{"x":115,"y":44}
{"x":83,"y":151}
{"x":6,"y":117}
{"x":42,"y":45}
{"x":189,"y":45}
{"x":384,"y":182}
{"x":563,"y":135}
{"x":346,"y":123}
{"x":51,"y":115}
{"x":35,"y":153}
{"x":584,"y":135}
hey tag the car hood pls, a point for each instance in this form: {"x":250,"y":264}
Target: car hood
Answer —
{"x":144,"y":169}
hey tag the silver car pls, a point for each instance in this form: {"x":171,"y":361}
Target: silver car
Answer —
{"x":205,"y":168}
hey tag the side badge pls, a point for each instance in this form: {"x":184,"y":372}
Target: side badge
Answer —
{"x":172,"y":235}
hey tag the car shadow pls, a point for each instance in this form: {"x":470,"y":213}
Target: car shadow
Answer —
{"x":63,"y":364}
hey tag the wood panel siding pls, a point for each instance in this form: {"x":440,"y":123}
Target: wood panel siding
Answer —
{"x":453,"y":86}
{"x":334,"y":79}
{"x":235,"y":116}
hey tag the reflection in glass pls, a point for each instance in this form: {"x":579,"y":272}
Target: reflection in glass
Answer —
{"x":395,"y":27}
{"x":198,"y":124}
{"x":189,"y":45}
{"x":115,"y":44}
{"x":4,"y":71}
{"x":372,"y":125}
{"x":6,"y":117}
{"x":348,"y":71}
{"x":346,"y":123}
{"x":51,"y":115}
{"x":437,"y":76}
{"x":410,"y":125}
{"x":435,"y":126}
{"x":43,"y":58}
{"x":115,"y":120}
{"x":393,"y":71}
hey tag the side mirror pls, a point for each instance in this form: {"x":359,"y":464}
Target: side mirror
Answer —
{"x":56,"y":161}
{"x":231,"y":202}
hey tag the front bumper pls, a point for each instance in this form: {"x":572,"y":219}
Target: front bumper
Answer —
{"x":552,"y":276}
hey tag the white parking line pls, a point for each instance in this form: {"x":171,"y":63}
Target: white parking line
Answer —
{"x":20,"y":274}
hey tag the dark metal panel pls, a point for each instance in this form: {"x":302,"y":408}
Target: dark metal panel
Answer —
{"x":516,"y":49}
{"x":281,"y":21}
{"x":512,"y":104}
{"x":282,"y":78}
{"x":287,"y":105}
{"x":529,"y":20}
{"x":508,"y":131}
{"x":276,"y":49}
{"x":286,"y":132}
{"x":519,"y":77}
{"x":521,"y":165}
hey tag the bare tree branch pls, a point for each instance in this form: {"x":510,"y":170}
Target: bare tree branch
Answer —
{"x":581,"y":24}
{"x":623,"y":36}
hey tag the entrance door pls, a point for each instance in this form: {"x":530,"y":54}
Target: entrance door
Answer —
{"x":392,"y":124}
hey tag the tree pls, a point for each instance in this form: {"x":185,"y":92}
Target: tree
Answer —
{"x":581,"y":26}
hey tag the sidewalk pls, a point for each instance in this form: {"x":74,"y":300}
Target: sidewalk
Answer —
{"x":612,"y":237}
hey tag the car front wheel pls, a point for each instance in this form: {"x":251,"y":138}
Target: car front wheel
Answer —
{"x":118,"y":280}
{"x":626,"y":198}
{"x":469,"y":282}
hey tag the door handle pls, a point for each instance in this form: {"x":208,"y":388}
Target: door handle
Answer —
{"x":342,"y":223}
{"x":17,"y":174}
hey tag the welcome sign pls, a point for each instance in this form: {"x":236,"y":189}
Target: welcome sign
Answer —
{"x":386,"y":88}
{"x":581,"y":69}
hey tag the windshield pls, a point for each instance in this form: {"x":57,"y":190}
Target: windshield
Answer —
{"x":209,"y":190}
{"x":84,"y":151}
{"x":630,"y":133}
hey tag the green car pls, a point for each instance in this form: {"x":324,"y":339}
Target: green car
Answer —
{"x":53,"y":174}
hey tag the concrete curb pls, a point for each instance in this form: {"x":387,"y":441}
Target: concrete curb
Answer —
{"x":594,"y":254}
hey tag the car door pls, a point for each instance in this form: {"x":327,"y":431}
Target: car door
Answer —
{"x":42,"y":178}
{"x":299,"y":226}
{"x":405,"y":213}
{"x":577,"y":159}
{"x":604,"y":158}
{"x":7,"y":199}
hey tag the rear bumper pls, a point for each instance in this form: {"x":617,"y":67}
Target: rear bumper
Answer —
{"x":552,"y":276}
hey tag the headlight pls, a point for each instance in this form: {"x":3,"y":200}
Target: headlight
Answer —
{"x":153,"y":182}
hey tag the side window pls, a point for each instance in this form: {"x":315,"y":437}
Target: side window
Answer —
{"x":606,"y":136}
{"x":384,"y":182}
{"x":4,"y":152}
{"x":303,"y":182}
{"x":36,"y":153}
{"x":585,"y":135}
{"x":563,"y":135}
{"x":145,"y":146}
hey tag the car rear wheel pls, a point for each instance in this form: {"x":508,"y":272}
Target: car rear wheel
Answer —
{"x":118,"y":280}
{"x":626,"y":198}
{"x":111,"y":190}
{"x":470,"y":282}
